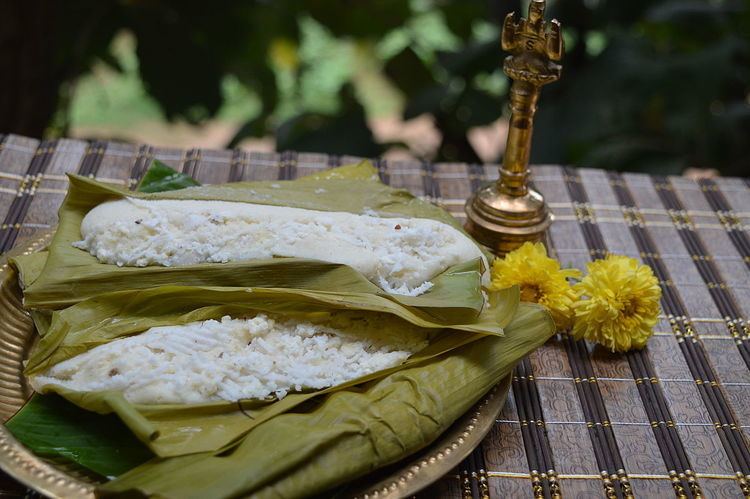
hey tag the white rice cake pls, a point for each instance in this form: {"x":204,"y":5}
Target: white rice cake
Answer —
{"x":399,"y":254}
{"x":235,"y":359}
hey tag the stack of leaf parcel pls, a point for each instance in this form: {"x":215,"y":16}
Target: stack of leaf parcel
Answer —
{"x":274,"y":339}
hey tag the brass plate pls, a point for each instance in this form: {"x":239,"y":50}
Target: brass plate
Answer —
{"x":53,"y":480}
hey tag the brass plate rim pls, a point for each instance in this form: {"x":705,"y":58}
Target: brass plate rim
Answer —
{"x":419,"y":471}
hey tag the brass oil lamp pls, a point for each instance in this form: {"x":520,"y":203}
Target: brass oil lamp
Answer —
{"x":504,"y":215}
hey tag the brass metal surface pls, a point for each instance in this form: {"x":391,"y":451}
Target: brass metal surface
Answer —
{"x":505,"y":214}
{"x":16,"y":337}
{"x":57,"y":480}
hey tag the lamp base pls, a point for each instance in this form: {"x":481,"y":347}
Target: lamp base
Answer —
{"x":503,"y":222}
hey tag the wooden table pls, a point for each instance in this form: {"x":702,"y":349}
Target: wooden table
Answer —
{"x":581,"y":421}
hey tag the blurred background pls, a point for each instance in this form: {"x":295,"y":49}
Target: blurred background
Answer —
{"x":648,"y":85}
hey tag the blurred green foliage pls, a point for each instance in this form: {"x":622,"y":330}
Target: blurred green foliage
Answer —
{"x":656,"y":85}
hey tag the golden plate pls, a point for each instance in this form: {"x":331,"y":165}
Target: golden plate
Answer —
{"x":57,"y":480}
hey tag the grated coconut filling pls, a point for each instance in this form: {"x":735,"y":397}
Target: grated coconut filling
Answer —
{"x":400,"y":255}
{"x":244,"y":358}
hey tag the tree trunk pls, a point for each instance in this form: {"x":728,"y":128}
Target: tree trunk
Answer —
{"x":28,"y":85}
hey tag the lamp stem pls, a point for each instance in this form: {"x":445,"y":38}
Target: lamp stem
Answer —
{"x":515,"y":169}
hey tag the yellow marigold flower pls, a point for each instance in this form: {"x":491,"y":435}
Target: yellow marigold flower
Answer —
{"x":619,"y":303}
{"x":540,"y":279}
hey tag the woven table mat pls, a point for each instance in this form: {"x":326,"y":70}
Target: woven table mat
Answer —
{"x":580,"y":422}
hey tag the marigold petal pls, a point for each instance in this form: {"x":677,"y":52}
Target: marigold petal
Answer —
{"x":540,"y":278}
{"x":619,"y":305}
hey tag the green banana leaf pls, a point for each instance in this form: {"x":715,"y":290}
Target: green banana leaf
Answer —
{"x":53,"y":427}
{"x":162,"y":428}
{"x":161,"y":178}
{"x":71,"y":275}
{"x":349,"y":433}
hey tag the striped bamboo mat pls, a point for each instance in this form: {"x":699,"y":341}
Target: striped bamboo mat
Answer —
{"x":581,"y":422}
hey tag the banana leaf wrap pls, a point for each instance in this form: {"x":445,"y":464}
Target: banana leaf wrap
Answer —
{"x":171,"y":430}
{"x":158,"y":178}
{"x":71,"y":275}
{"x":349,"y":433}
{"x":29,"y":267}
